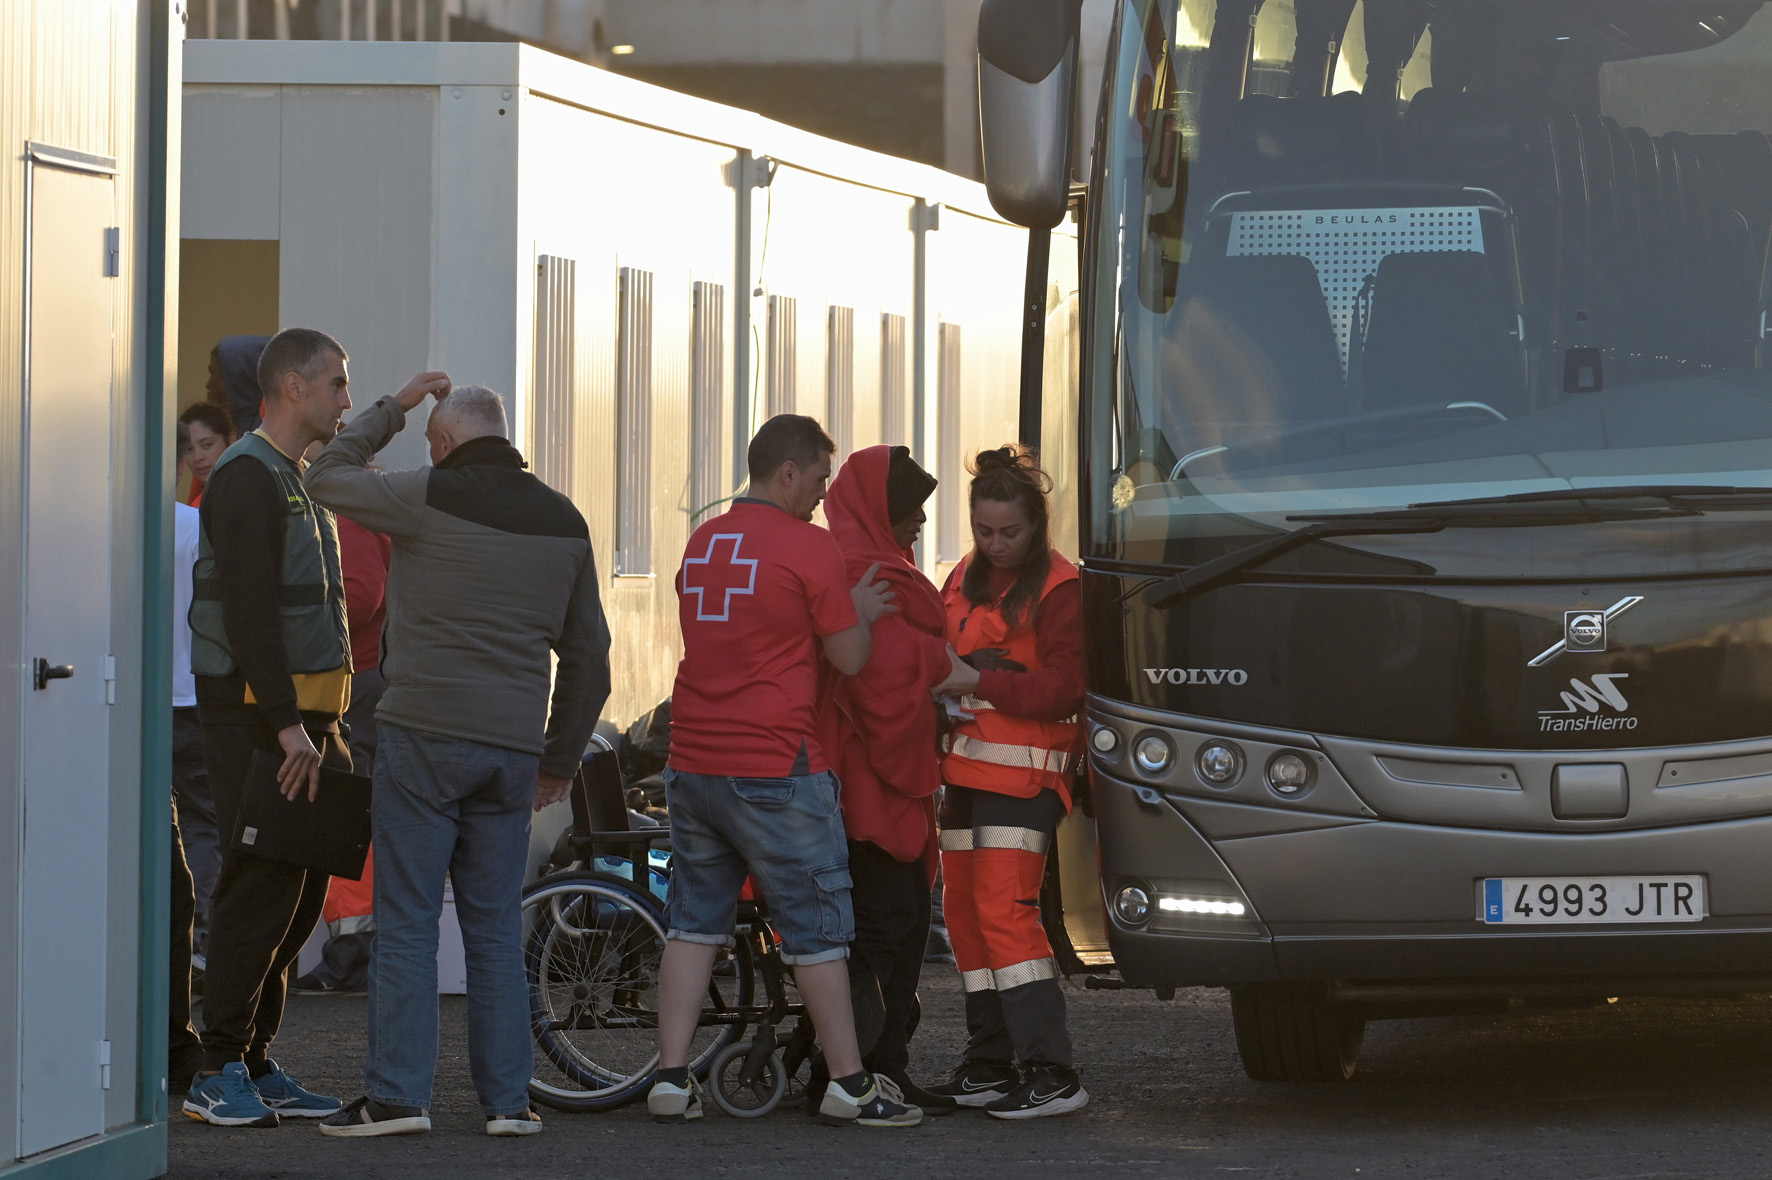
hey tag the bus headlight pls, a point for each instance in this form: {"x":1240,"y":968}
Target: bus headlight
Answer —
{"x":1133,"y":905}
{"x":1219,"y":763}
{"x":1152,"y":754}
{"x":1288,"y":773}
{"x":1228,"y":907}
{"x":1105,"y":740}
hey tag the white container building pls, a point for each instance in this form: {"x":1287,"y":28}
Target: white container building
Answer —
{"x":645,"y":275}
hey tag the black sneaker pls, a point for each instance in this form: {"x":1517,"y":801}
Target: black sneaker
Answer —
{"x":366,"y":1117}
{"x":1046,"y":1090}
{"x":870,"y":1108}
{"x":977,"y":1083}
{"x":312,"y":984}
{"x":908,"y":1091}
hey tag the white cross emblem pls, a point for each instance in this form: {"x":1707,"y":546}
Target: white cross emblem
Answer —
{"x":720,"y":575}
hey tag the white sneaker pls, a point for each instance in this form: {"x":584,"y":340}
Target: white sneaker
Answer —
{"x":527,"y":1123}
{"x":674,"y":1104}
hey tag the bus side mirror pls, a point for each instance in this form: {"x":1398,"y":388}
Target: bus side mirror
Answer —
{"x":1027,"y":81}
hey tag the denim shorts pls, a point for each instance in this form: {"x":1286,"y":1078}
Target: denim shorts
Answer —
{"x":785,"y":833}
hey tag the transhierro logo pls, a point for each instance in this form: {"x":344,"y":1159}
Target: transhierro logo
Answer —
{"x":1235,"y":676}
{"x":1585,"y":705}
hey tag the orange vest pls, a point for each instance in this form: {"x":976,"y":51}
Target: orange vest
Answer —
{"x":997,"y":751}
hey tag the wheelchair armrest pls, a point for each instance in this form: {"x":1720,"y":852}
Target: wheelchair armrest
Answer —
{"x":589,"y":842}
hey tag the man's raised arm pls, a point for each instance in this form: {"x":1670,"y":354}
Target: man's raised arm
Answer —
{"x":341,"y":479}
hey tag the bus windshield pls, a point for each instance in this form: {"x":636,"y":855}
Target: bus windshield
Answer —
{"x":1356,"y":255}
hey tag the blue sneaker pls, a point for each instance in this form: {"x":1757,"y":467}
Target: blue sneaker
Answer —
{"x":285,"y":1095}
{"x":228,"y":1099}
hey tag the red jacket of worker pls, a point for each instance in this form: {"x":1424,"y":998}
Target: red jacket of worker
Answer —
{"x":364,"y":555}
{"x":878,"y":727}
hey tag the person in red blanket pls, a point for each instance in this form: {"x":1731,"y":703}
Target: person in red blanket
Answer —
{"x":1015,"y":616}
{"x":879,"y":729}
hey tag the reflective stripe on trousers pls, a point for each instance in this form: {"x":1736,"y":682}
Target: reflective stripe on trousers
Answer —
{"x":984,"y":979}
{"x":995,"y":836}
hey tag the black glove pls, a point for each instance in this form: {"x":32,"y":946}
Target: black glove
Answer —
{"x":994,"y":659}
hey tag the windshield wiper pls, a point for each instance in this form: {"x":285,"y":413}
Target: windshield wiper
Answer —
{"x":1172,"y":590}
{"x":1533,"y":509}
{"x":1676,"y":494}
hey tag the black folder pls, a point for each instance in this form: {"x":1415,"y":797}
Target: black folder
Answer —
{"x":330,"y":835}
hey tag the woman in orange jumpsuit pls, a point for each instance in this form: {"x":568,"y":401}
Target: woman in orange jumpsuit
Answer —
{"x":1014,"y":615}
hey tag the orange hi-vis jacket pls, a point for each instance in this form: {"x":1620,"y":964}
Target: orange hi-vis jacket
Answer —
{"x":995,"y":751}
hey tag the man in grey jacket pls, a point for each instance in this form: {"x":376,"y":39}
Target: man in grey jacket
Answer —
{"x":491,"y":571}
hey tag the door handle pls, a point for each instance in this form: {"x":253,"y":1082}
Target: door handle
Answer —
{"x":43,"y":672}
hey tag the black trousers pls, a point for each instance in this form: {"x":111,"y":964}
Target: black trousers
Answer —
{"x":183,"y":1049}
{"x":196,"y":815}
{"x":262,"y":912}
{"x":891,"y":901}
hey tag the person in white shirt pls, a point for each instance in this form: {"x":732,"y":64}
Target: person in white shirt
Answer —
{"x":193,"y":815}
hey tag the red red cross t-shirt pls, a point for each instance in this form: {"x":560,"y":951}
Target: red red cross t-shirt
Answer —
{"x":757,"y":589}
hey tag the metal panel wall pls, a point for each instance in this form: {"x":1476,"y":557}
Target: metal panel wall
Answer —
{"x":671,"y":216}
{"x":555,"y":382}
{"x":893,"y":393}
{"x":782,"y":365}
{"x":70,"y":77}
{"x":839,"y":378}
{"x":838,"y":241}
{"x":226,"y":200}
{"x":707,"y":380}
{"x":950,"y":497}
{"x":971,"y":260}
{"x":633,"y":424}
{"x":357,"y":247}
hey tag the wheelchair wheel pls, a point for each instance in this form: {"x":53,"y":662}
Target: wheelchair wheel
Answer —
{"x":744,"y":1098}
{"x":592,"y":953}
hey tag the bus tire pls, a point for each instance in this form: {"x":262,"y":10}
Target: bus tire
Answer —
{"x":1290,"y":1032}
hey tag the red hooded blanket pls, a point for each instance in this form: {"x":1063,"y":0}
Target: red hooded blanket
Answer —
{"x":878,"y":727}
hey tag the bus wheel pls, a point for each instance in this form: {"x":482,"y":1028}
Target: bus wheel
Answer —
{"x":1289,"y":1032}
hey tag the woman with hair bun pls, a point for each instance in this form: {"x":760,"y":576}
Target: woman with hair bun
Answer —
{"x":1014,"y":617}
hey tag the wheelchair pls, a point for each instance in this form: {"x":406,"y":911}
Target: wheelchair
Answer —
{"x":594,"y":933}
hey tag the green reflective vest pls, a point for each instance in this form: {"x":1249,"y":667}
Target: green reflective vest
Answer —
{"x":311,"y":587}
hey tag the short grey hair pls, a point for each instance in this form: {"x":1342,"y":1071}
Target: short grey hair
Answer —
{"x":472,"y":411}
{"x":295,"y":350}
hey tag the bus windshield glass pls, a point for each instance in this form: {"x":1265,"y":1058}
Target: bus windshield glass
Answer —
{"x":1356,"y":255}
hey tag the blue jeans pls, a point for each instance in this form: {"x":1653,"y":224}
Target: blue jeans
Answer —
{"x":447,"y":806}
{"x":784,"y":833}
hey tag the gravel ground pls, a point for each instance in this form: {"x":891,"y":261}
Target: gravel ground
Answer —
{"x":1638,"y":1089}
